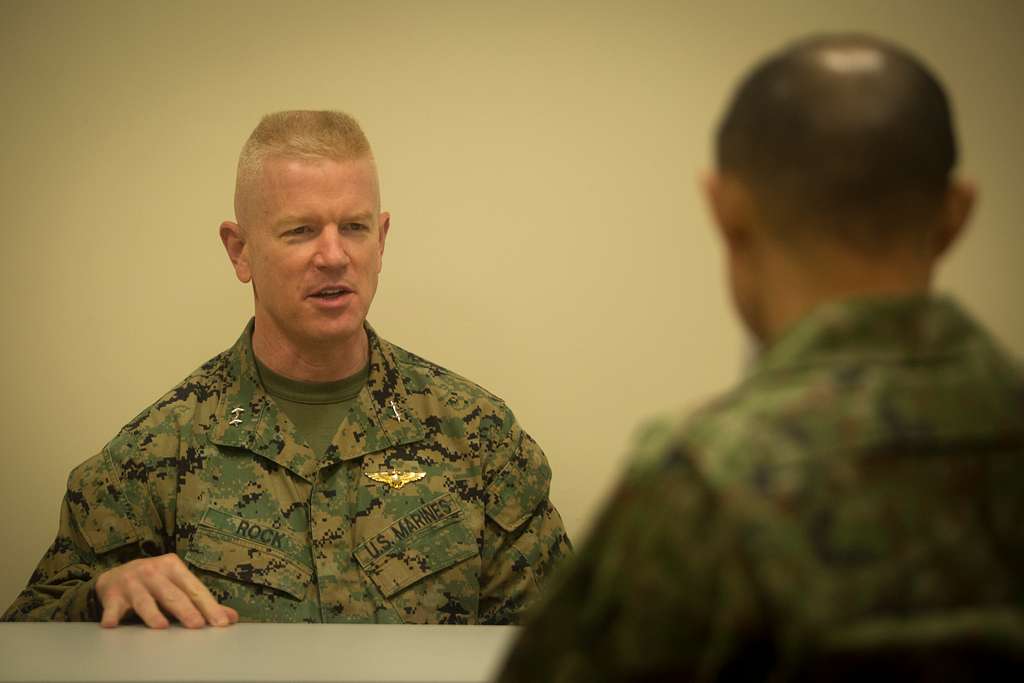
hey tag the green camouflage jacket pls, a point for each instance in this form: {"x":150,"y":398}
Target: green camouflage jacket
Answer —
{"x":215,"y":472}
{"x":856,"y":505}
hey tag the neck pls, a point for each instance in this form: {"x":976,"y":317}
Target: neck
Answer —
{"x":310,"y":362}
{"x":797,"y":286}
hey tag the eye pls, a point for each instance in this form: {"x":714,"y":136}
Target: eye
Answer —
{"x":299,"y":231}
{"x":354,"y":227}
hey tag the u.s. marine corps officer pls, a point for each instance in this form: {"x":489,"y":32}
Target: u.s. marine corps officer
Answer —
{"x":852,"y":510}
{"x":312,"y":472}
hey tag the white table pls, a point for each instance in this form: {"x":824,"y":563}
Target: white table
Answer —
{"x":83,"y":652}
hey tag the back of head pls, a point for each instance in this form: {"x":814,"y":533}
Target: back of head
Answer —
{"x":300,"y":134}
{"x":847,"y":134}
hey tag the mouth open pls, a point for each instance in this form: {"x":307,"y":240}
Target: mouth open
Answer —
{"x":330,"y":293}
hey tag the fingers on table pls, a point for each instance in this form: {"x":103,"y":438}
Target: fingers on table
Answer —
{"x":154,"y":586}
{"x":199,"y":597}
{"x":114,"y":610}
{"x":144,"y":604}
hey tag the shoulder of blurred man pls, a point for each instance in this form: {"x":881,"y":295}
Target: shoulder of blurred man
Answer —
{"x":853,"y":374}
{"x":865,"y":473}
{"x":784,"y":507}
{"x":869,"y":426}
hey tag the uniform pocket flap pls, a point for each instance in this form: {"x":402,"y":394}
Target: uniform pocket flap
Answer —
{"x":100,"y":505}
{"x":244,"y":550}
{"x":423,"y":542}
{"x":521,"y":485}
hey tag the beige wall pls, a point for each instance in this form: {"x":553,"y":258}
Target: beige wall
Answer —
{"x":539,"y":160}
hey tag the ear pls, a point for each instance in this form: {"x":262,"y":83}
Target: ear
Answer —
{"x":384,"y":224}
{"x":729,"y":202}
{"x":233,"y":237}
{"x":956,"y":210}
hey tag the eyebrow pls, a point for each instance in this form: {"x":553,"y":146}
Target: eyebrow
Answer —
{"x":299,"y":219}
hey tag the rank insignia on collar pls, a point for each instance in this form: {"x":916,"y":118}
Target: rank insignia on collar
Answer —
{"x":395,"y":478}
{"x":235,"y":412}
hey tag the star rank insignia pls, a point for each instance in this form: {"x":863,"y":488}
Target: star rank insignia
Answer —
{"x":396,"y":479}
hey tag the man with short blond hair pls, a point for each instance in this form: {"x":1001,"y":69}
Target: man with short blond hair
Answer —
{"x":852,"y":510}
{"x":313,"y":472}
{"x":301,"y":134}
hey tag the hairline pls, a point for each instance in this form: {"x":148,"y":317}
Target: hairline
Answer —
{"x":245,"y":181}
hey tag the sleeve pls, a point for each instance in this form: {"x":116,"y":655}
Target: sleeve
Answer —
{"x":658,"y":591}
{"x":99,"y":530}
{"x":524,"y":538}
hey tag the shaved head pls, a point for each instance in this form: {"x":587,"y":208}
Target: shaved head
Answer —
{"x":845,"y":135}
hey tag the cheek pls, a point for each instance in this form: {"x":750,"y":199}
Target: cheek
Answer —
{"x":281,"y":269}
{"x":367,"y":261}
{"x":739,"y":288}
{"x":745,"y":295}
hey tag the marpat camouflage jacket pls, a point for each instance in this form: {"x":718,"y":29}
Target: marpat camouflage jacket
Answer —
{"x":215,"y":472}
{"x":854,"y":507}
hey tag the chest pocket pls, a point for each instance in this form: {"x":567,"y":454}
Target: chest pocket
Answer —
{"x":250,"y":551}
{"x":419,"y":564}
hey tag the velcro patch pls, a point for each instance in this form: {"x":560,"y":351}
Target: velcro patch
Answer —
{"x":263,"y":532}
{"x":423,"y":542}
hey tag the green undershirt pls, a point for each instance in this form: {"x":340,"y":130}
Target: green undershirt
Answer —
{"x":315,"y":408}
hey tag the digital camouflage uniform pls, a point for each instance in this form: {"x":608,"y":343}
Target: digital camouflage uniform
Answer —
{"x":855,"y":506}
{"x":215,"y":472}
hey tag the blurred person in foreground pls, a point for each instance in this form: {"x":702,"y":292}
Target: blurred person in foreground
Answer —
{"x":853,"y":508}
{"x":313,"y":472}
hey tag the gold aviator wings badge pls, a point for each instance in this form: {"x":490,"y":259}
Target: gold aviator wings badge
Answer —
{"x":396,"y":479}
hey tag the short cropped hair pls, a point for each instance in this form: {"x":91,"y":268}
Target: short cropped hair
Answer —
{"x":841,"y":132}
{"x":302,"y":135}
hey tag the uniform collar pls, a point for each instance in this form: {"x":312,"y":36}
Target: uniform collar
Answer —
{"x":875,"y":328}
{"x":248,"y":418}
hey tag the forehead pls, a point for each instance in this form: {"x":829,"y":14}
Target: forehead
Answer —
{"x":315,"y":188}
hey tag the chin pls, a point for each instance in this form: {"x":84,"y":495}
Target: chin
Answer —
{"x":333,"y":334}
{"x":337,"y":331}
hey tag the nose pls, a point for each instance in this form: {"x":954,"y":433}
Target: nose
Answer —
{"x":330,"y":249}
